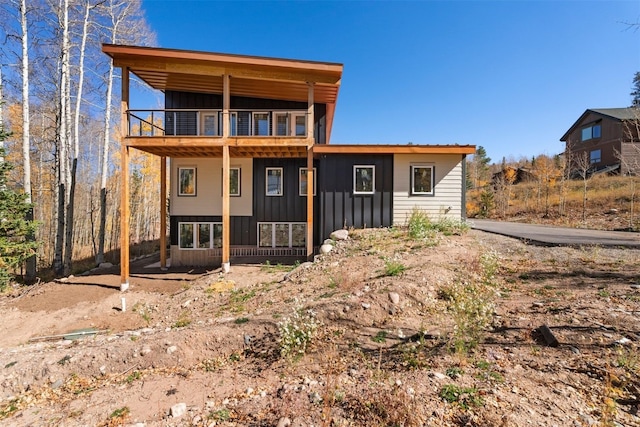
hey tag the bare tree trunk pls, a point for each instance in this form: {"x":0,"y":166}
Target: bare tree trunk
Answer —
{"x":59,"y":266}
{"x":30,"y":273}
{"x":68,"y":253}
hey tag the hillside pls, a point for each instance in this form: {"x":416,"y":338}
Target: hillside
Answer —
{"x":441,"y":330}
{"x":609,"y":202}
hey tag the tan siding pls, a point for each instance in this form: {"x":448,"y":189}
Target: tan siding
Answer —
{"x":208,"y":200}
{"x":447,"y":191}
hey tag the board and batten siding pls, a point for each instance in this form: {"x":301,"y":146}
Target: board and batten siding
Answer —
{"x":447,"y":198}
{"x":208,"y":198}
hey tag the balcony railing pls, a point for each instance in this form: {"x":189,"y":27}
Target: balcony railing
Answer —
{"x":246,"y":123}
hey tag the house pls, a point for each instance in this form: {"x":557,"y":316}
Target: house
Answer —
{"x":253,"y":175}
{"x":605,"y":140}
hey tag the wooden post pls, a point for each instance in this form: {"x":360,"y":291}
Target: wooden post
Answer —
{"x":226,"y":202}
{"x":310,"y":174}
{"x":226,"y":101}
{"x":226,"y":218}
{"x":124,"y":190}
{"x":163,"y":213}
{"x":310,"y":115}
{"x":310,"y":180}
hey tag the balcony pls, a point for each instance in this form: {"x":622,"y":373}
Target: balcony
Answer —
{"x":209,"y":123}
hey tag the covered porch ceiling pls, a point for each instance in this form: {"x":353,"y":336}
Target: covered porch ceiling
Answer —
{"x":251,"y":76}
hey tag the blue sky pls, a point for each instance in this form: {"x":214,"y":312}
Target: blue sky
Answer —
{"x":511,"y":76}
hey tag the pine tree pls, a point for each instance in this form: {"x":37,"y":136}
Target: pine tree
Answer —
{"x":635,"y":95}
{"x":14,"y":229}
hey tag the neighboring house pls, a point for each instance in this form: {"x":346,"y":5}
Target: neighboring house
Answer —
{"x":518,"y":175}
{"x":605,"y":140}
{"x":252,"y":173}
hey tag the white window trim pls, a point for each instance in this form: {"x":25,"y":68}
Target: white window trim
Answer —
{"x":196,"y":243}
{"x":292,"y":122}
{"x":315,"y":174}
{"x":217,"y":122}
{"x":195,"y":181}
{"x":273,"y":234}
{"x":277,"y":114}
{"x":373,"y":179}
{"x":266,"y":182}
{"x":412,"y":177}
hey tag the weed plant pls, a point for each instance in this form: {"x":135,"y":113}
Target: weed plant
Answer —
{"x":422,"y":227}
{"x":297,"y":331}
{"x":470,"y":304}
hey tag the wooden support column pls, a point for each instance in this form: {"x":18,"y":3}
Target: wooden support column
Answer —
{"x":226,"y":218}
{"x":226,"y":202}
{"x":226,"y":101}
{"x":124,"y":187}
{"x":310,"y":181}
{"x":310,"y":174}
{"x":163,"y":213}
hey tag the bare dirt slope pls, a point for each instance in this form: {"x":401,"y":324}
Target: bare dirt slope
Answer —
{"x":201,"y":348}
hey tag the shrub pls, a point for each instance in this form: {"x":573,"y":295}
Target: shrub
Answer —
{"x":297,"y":331}
{"x":421,"y":226}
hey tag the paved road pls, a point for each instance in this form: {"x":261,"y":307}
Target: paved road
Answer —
{"x":557,"y":236}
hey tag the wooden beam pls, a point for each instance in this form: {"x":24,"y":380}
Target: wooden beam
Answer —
{"x":393,"y":149}
{"x":124,"y":190}
{"x":226,"y":218}
{"x":310,"y":180}
{"x":163,"y":212}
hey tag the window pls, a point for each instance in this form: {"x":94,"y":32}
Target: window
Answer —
{"x":200,"y":235}
{"x":595,"y":156}
{"x":234,"y":181}
{"x":281,"y":124}
{"x":299,"y":124}
{"x":209,"y":124}
{"x":261,"y":124}
{"x":421,"y":180}
{"x":282,"y":235}
{"x":240,"y":123}
{"x":187,"y":181}
{"x":303,"y":181}
{"x":591,"y":132}
{"x":364,"y":178}
{"x":274,"y":181}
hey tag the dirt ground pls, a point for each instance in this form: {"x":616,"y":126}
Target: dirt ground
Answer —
{"x":201,"y":348}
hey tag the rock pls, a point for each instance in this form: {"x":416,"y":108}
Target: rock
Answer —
{"x":172,"y":349}
{"x":186,"y":304}
{"x":57,"y":384}
{"x":283,"y":422}
{"x":339,"y":235}
{"x":366,"y":305}
{"x":178,"y":410}
{"x":196,"y":420}
{"x":439,"y":376}
{"x":394,"y":297}
{"x":315,"y":398}
{"x":635,"y":286}
{"x":538,"y":304}
{"x":329,"y":242}
{"x":145,"y":350}
{"x":105,"y":265}
{"x":325,"y":249}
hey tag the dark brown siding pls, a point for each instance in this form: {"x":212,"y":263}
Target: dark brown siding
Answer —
{"x":339,"y":207}
{"x":195,"y":101}
{"x":243,"y":228}
{"x":609,"y":142}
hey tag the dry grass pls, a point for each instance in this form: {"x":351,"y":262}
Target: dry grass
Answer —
{"x":609,"y":203}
